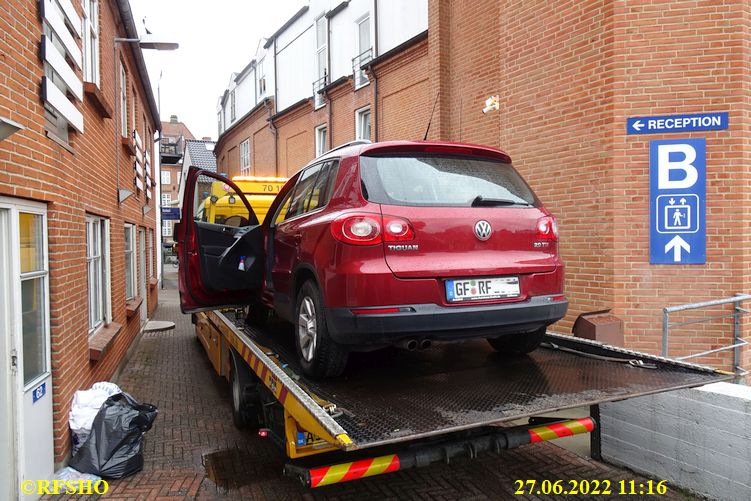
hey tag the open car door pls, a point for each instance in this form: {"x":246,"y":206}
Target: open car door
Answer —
{"x":219,"y":245}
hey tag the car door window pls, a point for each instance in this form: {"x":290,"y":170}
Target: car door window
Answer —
{"x":318,"y":193}
{"x":300,"y":200}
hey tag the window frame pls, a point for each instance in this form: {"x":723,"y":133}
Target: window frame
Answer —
{"x":359,"y":114}
{"x":166,"y":199}
{"x":321,"y":51}
{"x":232,"y":106}
{"x":104,"y":298}
{"x":168,"y":177}
{"x":130,"y":269}
{"x":360,"y":77}
{"x":321,"y":135}
{"x":245,"y":158}
{"x":124,"y":132}
{"x":91,"y":49}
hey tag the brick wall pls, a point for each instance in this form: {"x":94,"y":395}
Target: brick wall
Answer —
{"x":254,"y":127}
{"x":73,"y":184}
{"x":569,"y":74}
{"x":296,"y":142}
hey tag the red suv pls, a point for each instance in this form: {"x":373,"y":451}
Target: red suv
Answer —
{"x":394,"y":243}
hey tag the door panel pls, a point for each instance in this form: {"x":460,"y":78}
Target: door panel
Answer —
{"x":220,"y":264}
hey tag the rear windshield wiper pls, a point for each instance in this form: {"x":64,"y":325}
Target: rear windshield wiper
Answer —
{"x":480,"y":201}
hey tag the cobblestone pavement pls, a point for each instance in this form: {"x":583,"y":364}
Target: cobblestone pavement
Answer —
{"x":194,"y":452}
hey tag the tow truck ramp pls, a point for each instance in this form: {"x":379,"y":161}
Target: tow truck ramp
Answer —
{"x":450,"y":400}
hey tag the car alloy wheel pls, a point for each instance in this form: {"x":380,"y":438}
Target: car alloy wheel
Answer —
{"x":307,"y":329}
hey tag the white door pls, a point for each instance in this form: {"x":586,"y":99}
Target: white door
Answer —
{"x":24,"y":286}
{"x":142,"y":274}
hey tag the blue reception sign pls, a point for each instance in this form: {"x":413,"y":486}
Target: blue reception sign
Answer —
{"x":677,"y":123}
{"x":171,"y":213}
{"x":677,"y":194}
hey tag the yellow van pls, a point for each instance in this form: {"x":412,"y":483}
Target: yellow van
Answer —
{"x":223,"y":207}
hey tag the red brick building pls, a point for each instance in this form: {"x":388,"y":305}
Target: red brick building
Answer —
{"x":568,"y":75}
{"x":77,"y":216}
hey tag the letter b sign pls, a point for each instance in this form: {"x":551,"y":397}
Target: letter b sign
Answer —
{"x":675,"y":166}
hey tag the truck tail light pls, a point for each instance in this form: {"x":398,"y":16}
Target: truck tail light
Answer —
{"x":547,"y":229}
{"x":358,"y":229}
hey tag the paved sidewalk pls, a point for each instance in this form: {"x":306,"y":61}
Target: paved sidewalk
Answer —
{"x":194,"y":452}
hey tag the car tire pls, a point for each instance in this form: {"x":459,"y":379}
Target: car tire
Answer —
{"x":246,"y":405}
{"x":518,"y":344}
{"x":319,"y":355}
{"x":256,"y":314}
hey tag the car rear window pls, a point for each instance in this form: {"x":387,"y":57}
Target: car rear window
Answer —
{"x":431,"y":180}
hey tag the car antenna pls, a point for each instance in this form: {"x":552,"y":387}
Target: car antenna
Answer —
{"x":431,"y":116}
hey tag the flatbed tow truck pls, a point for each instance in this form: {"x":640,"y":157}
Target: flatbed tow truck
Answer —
{"x":396,"y":409}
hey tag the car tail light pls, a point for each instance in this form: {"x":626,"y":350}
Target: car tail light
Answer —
{"x":358,"y":229}
{"x":397,"y":229}
{"x":547,"y":228}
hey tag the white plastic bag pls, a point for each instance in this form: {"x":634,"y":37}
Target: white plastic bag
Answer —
{"x":86,"y":404}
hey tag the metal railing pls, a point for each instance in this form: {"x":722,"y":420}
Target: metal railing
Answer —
{"x":360,"y":60}
{"x":318,"y":86}
{"x":736,"y":315}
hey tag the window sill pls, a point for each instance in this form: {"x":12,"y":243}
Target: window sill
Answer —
{"x":60,"y":141}
{"x":101,"y":341}
{"x":153,"y":282}
{"x":128,"y":145}
{"x":131,"y":306}
{"x":97,"y":99}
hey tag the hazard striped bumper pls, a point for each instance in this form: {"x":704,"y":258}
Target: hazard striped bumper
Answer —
{"x":490,"y":439}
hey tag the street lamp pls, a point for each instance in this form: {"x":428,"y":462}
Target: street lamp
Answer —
{"x":147,"y":41}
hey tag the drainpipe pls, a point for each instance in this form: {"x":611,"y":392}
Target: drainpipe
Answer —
{"x":272,"y":127}
{"x":374,"y":107}
{"x":371,"y":70}
{"x":271,"y":123}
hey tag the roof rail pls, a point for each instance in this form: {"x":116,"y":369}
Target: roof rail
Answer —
{"x":351,"y":143}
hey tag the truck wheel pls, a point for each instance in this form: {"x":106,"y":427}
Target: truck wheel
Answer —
{"x":318,"y":354}
{"x":518,"y":344}
{"x":246,"y":405}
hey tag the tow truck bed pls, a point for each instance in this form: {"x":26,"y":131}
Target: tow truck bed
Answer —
{"x":394,"y":396}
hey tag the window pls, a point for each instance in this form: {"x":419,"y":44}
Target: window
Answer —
{"x":321,"y":136}
{"x":166,"y":228}
{"x":133,"y":109}
{"x":166,"y":177}
{"x":261,"y":75}
{"x":34,"y":308}
{"x":97,"y":250}
{"x":311,"y":191}
{"x":232,"y":106}
{"x":166,"y":198}
{"x":123,"y":101}
{"x":151,"y":253}
{"x":130,"y":262}
{"x":363,"y":52}
{"x":91,"y":41}
{"x":362,"y":124}
{"x":441,"y":181}
{"x":219,"y":123}
{"x":245,"y":158}
{"x":321,"y":60}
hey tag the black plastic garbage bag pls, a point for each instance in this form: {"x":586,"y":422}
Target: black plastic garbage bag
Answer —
{"x":114,"y":449}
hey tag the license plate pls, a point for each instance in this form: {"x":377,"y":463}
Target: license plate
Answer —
{"x":472,"y":289}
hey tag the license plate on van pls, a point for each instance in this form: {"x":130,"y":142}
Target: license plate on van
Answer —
{"x":473,"y":289}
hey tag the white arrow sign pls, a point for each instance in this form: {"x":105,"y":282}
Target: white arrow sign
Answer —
{"x":676,"y":244}
{"x":637,"y":125}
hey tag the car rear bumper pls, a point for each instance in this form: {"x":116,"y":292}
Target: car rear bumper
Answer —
{"x":442,"y":323}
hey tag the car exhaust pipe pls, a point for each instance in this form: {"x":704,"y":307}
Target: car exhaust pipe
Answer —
{"x":408,"y":344}
{"x":425,"y":344}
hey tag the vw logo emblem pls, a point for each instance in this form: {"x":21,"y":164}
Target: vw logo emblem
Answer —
{"x":483,"y":230}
